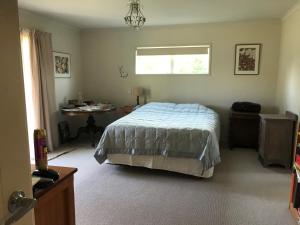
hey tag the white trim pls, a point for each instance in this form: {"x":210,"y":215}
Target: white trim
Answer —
{"x":291,"y":11}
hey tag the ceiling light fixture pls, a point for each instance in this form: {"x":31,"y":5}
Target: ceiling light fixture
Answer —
{"x":135,"y":17}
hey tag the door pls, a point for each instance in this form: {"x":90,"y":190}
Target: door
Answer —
{"x":14,"y":150}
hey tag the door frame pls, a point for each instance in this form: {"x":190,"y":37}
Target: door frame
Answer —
{"x":15,"y":171}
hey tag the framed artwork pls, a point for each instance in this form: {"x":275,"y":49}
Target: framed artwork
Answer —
{"x":62,"y":65}
{"x":247,"y":59}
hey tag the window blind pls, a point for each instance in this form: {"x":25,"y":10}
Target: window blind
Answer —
{"x":173,"y":50}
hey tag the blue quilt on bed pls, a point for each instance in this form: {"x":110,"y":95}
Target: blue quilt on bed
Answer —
{"x":167,"y":129}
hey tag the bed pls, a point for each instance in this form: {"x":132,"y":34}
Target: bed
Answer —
{"x":183,"y":138}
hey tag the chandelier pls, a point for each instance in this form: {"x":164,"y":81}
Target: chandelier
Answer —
{"x":135,"y":17}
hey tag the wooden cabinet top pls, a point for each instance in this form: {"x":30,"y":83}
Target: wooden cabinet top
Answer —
{"x":64,"y":173}
{"x":126,"y":109}
{"x":276,"y":117}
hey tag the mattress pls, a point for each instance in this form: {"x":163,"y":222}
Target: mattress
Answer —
{"x":168,"y":130}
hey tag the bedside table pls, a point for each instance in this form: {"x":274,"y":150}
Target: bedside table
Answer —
{"x":126,"y":109}
{"x":276,"y":139}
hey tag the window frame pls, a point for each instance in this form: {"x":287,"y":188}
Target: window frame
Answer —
{"x":209,"y":46}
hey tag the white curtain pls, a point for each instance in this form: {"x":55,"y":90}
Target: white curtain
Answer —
{"x":38,"y":72}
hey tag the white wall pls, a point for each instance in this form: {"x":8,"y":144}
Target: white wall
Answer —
{"x":103,"y":50}
{"x":65,"y":38}
{"x":288,"y":90}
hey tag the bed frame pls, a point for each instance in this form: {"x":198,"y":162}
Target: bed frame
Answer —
{"x":180,"y":165}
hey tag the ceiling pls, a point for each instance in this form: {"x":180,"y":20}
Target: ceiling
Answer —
{"x":110,"y":13}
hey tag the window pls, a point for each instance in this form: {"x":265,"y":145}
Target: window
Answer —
{"x":28,"y":86}
{"x":173,"y":60}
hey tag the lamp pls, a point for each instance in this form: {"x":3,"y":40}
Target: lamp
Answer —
{"x":137,"y":92}
{"x":135,"y":17}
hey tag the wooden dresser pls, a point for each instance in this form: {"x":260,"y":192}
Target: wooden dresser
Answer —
{"x":55,"y":205}
{"x":277,"y":138}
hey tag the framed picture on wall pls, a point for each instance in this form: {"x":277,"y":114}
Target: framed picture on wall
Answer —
{"x":62,"y":65}
{"x":247,"y":59}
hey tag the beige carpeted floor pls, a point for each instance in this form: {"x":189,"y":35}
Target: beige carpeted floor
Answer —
{"x":241,"y":192}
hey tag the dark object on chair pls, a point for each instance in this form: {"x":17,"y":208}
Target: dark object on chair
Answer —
{"x":64,"y":132}
{"x":244,"y":125}
{"x":248,"y":107}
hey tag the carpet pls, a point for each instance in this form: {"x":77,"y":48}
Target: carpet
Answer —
{"x":241,"y":192}
{"x":65,"y":149}
{"x":59,"y":152}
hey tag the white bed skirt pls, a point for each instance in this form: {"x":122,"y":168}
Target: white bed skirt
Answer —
{"x":181,"y":165}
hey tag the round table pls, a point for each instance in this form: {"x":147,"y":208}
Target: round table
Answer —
{"x":91,"y":128}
